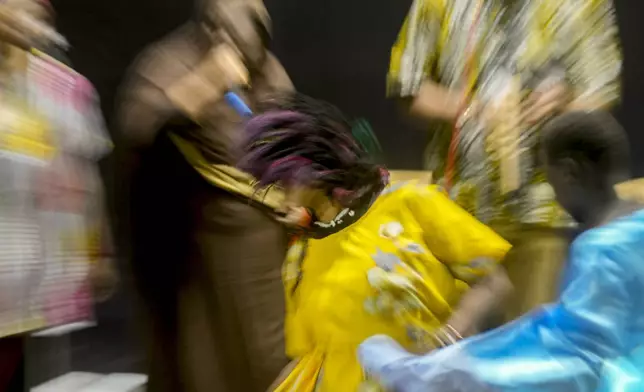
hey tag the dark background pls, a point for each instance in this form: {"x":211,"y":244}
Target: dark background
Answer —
{"x":336,"y":50}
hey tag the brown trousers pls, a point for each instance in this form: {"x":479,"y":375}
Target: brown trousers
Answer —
{"x":207,"y":265}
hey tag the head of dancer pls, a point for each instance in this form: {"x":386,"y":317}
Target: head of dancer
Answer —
{"x":587,"y":154}
{"x":307,"y":147}
{"x":243,"y":24}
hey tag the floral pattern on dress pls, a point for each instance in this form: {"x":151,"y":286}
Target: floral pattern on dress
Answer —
{"x":393,"y":279}
{"x":491,"y":48}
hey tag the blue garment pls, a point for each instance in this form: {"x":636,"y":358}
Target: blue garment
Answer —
{"x":590,"y":340}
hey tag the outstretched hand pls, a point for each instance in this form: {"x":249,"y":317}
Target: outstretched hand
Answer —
{"x":545,"y":102}
{"x":397,"y":370}
{"x":297,"y":217}
{"x":20,"y":29}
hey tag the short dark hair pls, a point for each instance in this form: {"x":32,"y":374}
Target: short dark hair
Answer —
{"x":298,"y":140}
{"x":595,"y":137}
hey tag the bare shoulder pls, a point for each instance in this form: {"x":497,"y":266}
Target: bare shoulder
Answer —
{"x":275,"y":74}
{"x":164,"y":61}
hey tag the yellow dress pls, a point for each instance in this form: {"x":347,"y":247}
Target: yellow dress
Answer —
{"x":400,"y":270}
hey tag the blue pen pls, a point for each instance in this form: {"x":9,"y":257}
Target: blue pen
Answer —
{"x":238,"y":104}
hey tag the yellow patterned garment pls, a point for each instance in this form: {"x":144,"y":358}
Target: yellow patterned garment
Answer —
{"x":400,"y":270}
{"x":512,"y":45}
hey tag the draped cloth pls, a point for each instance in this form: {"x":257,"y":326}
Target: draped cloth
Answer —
{"x":589,"y":340}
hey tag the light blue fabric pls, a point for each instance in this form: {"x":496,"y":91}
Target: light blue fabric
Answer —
{"x":591,"y":340}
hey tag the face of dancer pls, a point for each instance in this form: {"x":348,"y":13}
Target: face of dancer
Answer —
{"x":319,"y":214}
{"x":586,"y":155}
{"x":567,"y":179}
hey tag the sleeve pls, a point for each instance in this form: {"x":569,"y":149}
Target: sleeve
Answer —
{"x":415,"y":52}
{"x":564,"y":347}
{"x":468,"y":247}
{"x":594,"y":61}
{"x":143,"y":105}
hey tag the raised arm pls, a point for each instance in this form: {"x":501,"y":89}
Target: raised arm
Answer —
{"x":472,"y":252}
{"x":413,"y":56}
{"x":594,"y":63}
{"x":565,"y":347}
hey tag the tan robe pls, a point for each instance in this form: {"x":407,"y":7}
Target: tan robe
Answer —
{"x":206,"y":260}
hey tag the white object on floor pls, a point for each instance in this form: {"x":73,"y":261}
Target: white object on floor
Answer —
{"x":64,"y":329}
{"x":118,"y":382}
{"x":70,"y":382}
{"x":93,"y":382}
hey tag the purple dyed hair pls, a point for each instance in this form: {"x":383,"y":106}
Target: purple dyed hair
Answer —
{"x":297,"y":140}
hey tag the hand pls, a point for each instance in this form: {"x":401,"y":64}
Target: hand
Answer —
{"x":446,"y":336}
{"x":246,"y":26}
{"x":19,"y":28}
{"x":544,"y":102}
{"x":448,"y":369}
{"x":220,"y":70}
{"x":225,"y":61}
{"x":11,"y":31}
{"x":295,"y":217}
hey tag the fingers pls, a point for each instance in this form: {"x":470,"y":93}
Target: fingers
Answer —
{"x":15,"y":38}
{"x":379,"y":356}
{"x":231,"y":63}
{"x":22,"y":30}
{"x":11,"y":31}
{"x":294,"y":216}
{"x":285,"y":220}
{"x":542,"y":104}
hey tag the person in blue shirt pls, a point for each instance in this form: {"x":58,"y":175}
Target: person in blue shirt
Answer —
{"x":592,"y":337}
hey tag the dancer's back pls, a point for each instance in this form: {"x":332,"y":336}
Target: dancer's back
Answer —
{"x":392,"y":272}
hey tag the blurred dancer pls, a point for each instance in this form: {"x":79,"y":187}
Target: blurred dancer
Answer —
{"x":54,"y":232}
{"x":396,"y":260}
{"x":493,"y":71}
{"x":591,"y":339}
{"x":207,"y":253}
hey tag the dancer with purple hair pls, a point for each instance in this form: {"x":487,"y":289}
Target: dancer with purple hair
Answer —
{"x":401,"y":260}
